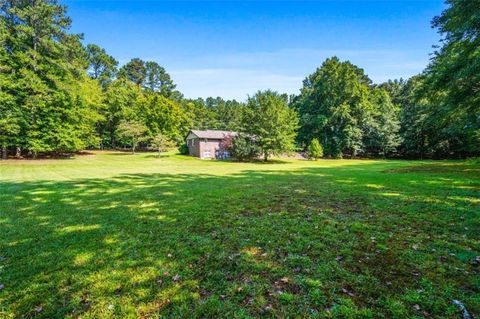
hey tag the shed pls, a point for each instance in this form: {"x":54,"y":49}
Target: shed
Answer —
{"x":206,"y":144}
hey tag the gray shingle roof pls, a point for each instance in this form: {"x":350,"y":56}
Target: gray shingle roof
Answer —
{"x":213,"y":134}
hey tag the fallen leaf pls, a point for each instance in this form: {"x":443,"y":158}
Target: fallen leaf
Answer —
{"x":38,"y":309}
{"x":339,"y":258}
{"x":176,"y":277}
{"x":416,"y":307}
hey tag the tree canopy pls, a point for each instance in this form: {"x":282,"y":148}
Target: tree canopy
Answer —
{"x":272,"y":122}
{"x":339,"y":106}
{"x":58,"y":96}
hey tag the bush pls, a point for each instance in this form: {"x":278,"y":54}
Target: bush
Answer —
{"x":244,"y":148}
{"x":315,"y":150}
{"x":183,"y":149}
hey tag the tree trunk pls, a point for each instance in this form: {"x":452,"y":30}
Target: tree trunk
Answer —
{"x":4,"y":152}
{"x":133,"y":146}
{"x":265,"y":157}
{"x":18,"y":153}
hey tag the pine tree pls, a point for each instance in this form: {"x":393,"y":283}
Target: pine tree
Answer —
{"x":48,"y":79}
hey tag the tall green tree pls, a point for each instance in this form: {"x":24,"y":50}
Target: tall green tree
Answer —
{"x":158,"y":80}
{"x":381,"y":126}
{"x":122,"y":99}
{"x":48,"y":65}
{"x":415,"y":128}
{"x":10,"y":112}
{"x":101,"y":66}
{"x":272,"y":123}
{"x":135,"y":71}
{"x":452,"y":81}
{"x":334,"y":101}
{"x":163,"y":115}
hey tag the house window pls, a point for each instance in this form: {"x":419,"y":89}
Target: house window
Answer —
{"x":206,"y":154}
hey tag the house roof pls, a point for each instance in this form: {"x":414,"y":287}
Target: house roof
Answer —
{"x":213,"y":134}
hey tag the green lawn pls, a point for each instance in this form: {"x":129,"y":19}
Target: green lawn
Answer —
{"x":127,"y":236}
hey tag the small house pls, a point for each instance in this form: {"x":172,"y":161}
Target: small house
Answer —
{"x":206,"y":144}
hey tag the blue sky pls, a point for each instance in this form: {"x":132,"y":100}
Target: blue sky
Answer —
{"x":234,"y":48}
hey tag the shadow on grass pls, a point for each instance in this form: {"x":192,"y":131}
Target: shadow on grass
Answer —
{"x":274,"y":243}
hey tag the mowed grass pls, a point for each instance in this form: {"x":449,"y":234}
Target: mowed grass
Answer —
{"x":114,"y":235}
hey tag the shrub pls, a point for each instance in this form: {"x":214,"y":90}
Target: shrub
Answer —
{"x":183,"y":149}
{"x":315,"y":149}
{"x":244,"y":148}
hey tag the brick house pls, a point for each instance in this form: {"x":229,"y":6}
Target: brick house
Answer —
{"x":206,"y":144}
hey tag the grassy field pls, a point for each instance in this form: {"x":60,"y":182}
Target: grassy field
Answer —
{"x":114,"y":235}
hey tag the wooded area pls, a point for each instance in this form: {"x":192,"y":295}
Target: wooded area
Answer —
{"x":59,"y":96}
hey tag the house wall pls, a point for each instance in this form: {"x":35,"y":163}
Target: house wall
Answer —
{"x":208,"y":145}
{"x":197,"y":147}
{"x":193,"y":147}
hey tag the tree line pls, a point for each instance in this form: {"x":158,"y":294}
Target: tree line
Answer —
{"x":59,"y":96}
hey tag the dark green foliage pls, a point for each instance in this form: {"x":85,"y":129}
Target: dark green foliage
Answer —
{"x":439,"y":110}
{"x":452,"y":80}
{"x":57,"y":96}
{"x":135,"y":71}
{"x":183,"y":149}
{"x":244,"y":148}
{"x":158,"y":80}
{"x":381,"y":126}
{"x":52,"y":103}
{"x":339,"y":106}
{"x":150,"y":76}
{"x":101,"y":66}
